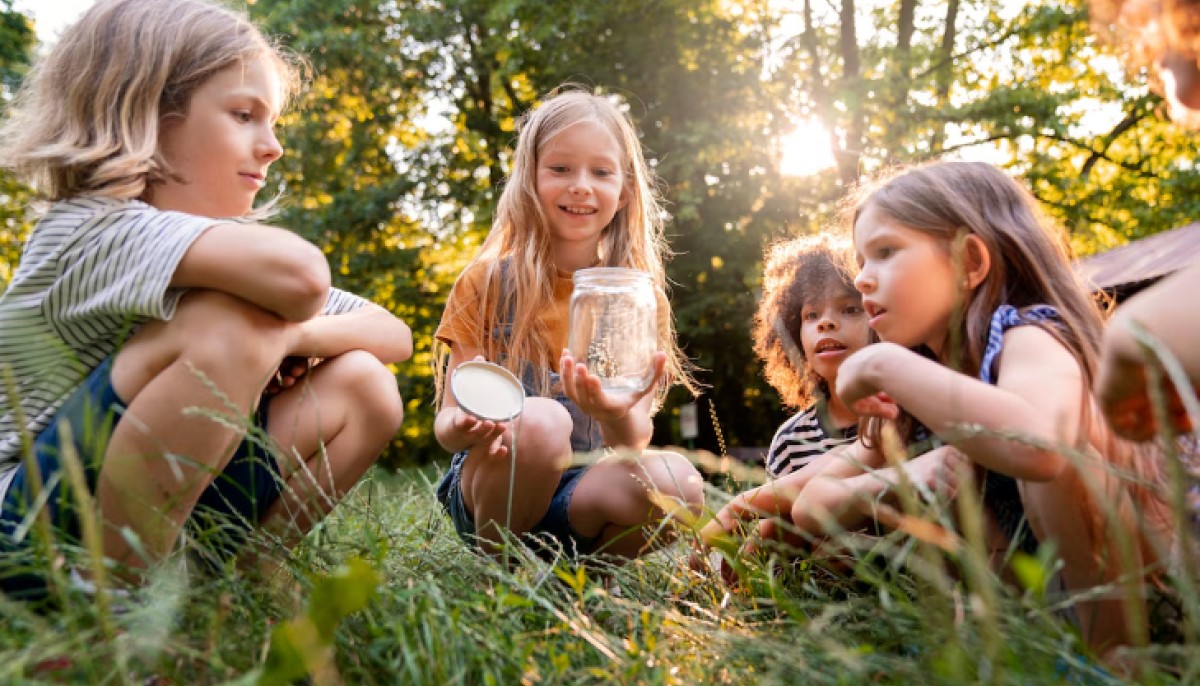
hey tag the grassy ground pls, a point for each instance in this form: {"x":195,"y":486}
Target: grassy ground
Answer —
{"x":385,"y":593}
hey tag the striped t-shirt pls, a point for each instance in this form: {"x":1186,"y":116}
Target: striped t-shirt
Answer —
{"x":804,"y":438}
{"x":92,"y":271}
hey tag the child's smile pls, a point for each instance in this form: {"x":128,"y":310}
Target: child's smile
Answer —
{"x":831,"y":331}
{"x":579,"y":186}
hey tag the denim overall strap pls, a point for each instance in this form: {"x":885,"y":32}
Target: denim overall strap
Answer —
{"x":1006,"y":317}
{"x":585,"y":431}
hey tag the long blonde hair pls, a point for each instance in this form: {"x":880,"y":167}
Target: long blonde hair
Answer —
{"x":87,"y":118}
{"x":520,"y":237}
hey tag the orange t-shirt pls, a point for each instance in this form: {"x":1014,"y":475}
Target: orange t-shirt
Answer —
{"x":461,"y":320}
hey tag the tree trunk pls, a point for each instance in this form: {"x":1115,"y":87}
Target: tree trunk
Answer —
{"x":849,"y":154}
{"x":946,"y":73}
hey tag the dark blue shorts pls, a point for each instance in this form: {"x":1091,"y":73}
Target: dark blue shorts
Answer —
{"x":232,"y":505}
{"x":551,"y":532}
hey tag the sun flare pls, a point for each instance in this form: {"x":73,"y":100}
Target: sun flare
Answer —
{"x":807,"y":150}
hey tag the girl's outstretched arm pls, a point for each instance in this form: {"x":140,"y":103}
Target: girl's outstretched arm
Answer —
{"x":842,"y":496}
{"x":624,"y":417}
{"x":773,"y":498}
{"x":1039,"y":395}
{"x":1167,"y":312}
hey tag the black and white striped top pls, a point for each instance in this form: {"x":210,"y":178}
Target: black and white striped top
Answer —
{"x":92,"y":271}
{"x":804,"y":438}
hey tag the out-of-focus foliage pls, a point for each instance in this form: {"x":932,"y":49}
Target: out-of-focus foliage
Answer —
{"x":16,"y":44}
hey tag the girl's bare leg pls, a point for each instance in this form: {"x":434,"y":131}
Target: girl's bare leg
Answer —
{"x":543,"y":453}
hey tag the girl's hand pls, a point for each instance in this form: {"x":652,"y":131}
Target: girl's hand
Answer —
{"x":290,"y":372}
{"x":473,"y":431}
{"x":857,"y":386}
{"x":584,"y":389}
{"x":937,"y":470}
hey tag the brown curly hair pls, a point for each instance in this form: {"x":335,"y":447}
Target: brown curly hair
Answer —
{"x":1149,"y":28}
{"x":796,"y":272}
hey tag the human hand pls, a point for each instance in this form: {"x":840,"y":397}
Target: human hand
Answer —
{"x":585,"y":389}
{"x":1122,"y":389}
{"x":471,"y":431}
{"x":937,"y":470}
{"x":856,"y":385}
{"x":290,"y":372}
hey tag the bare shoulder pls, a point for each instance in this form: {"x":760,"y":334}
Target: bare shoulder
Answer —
{"x":1032,"y":349}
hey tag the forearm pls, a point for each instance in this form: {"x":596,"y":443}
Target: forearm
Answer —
{"x":829,"y":505}
{"x":1166,"y":311}
{"x":631,"y":431}
{"x":944,"y":400}
{"x":369,"y":328}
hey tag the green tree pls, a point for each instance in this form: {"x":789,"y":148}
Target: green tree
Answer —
{"x":398,"y":151}
{"x":17,"y":40}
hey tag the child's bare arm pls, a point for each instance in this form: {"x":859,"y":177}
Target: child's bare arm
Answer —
{"x":370,"y":328}
{"x":272,"y":268}
{"x":624,"y":418}
{"x":775,"y":497}
{"x":1039,"y":395}
{"x":841,"y":496}
{"x":1166,"y":311}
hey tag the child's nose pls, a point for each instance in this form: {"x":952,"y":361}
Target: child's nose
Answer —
{"x":579,"y":185}
{"x":269,"y":147}
{"x":864,"y":283}
{"x":827,"y":323}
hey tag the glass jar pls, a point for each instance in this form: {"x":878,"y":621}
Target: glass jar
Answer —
{"x":614,"y":326}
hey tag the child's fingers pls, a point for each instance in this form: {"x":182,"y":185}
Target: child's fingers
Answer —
{"x":875,"y":406}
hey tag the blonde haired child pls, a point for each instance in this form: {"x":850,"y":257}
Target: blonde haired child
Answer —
{"x":149,"y":124}
{"x":580,"y":195}
{"x":956,"y":260}
{"x":809,"y":321}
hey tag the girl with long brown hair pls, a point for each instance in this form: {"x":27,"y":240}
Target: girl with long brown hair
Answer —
{"x":990,"y":343}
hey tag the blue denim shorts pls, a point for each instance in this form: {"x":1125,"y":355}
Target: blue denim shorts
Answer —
{"x":551,"y":532}
{"x":232,"y":505}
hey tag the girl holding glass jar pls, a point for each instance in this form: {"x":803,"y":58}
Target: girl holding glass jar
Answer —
{"x":580,"y":196}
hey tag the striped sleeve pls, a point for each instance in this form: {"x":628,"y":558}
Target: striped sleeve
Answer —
{"x":121,"y":268}
{"x":800,"y":440}
{"x":341,"y":302}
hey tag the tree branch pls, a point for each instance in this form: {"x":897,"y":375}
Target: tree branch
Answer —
{"x":1136,"y":115}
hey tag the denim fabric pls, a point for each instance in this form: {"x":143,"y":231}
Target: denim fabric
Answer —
{"x":250,"y":483}
{"x":585,"y":437}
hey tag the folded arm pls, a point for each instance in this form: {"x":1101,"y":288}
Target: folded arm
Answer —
{"x":369,"y":328}
{"x":1039,"y":394}
{"x":272,"y":268}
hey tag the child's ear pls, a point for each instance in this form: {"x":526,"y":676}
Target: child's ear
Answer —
{"x":977,"y":260}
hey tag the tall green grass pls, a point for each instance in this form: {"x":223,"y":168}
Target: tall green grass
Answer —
{"x":383,"y":592}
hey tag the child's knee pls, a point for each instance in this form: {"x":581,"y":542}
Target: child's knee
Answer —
{"x":374,"y":388}
{"x":542,"y":434}
{"x":672,"y":475}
